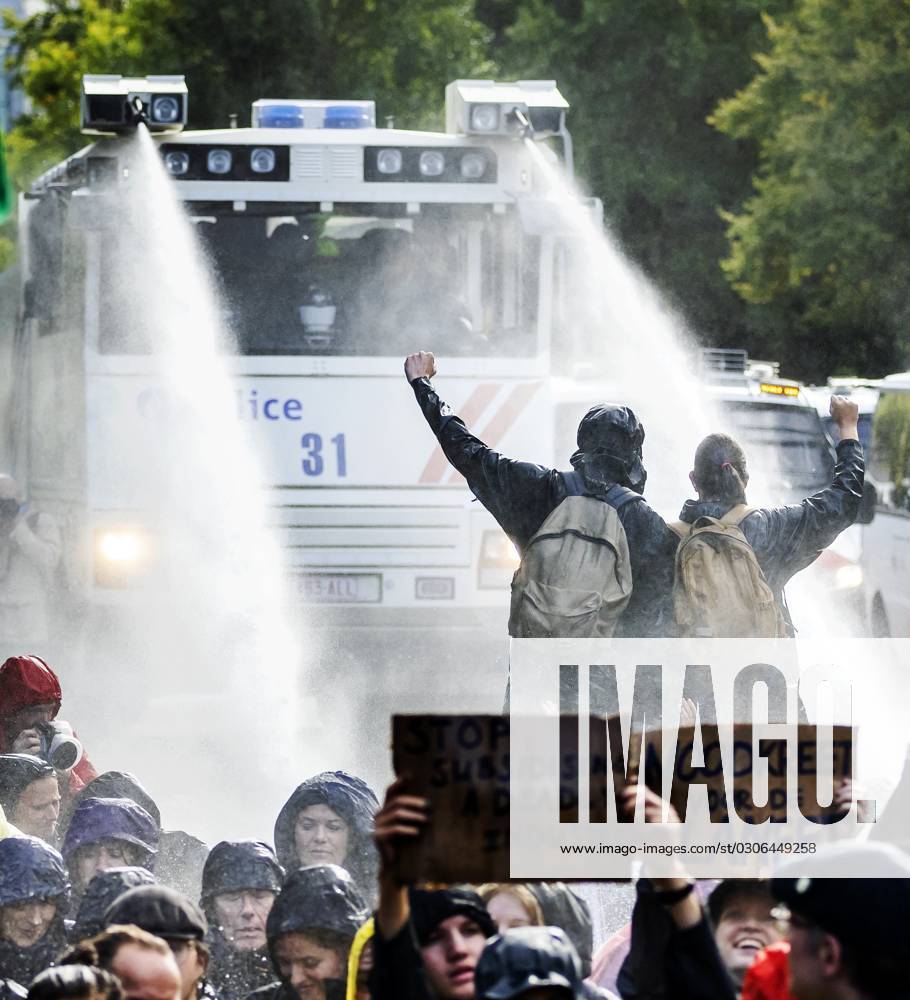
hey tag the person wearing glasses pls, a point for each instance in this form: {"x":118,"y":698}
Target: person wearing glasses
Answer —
{"x":30,"y":551}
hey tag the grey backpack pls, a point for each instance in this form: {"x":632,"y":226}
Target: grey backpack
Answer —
{"x":575,"y":577}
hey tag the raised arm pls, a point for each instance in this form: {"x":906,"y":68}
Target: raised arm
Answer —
{"x":518,"y":494}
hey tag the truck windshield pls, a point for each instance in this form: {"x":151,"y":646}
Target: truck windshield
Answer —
{"x":368,"y":280}
{"x":785,"y":444}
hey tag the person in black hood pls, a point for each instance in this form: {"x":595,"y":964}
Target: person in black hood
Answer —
{"x":328,"y":820}
{"x":239,"y":884}
{"x":34,"y":895}
{"x":100,"y":893}
{"x":310,"y":930}
{"x":521,"y":495}
{"x":785,"y":539}
{"x":30,"y":795}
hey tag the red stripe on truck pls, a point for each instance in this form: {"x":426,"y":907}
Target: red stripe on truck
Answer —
{"x":515,"y":404}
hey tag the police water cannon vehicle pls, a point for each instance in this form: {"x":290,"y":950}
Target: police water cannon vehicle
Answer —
{"x":338,"y":247}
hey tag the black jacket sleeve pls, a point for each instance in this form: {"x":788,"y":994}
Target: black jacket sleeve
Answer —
{"x":694,"y":968}
{"x":787,"y":539}
{"x":518,"y":494}
{"x":665,"y":963}
{"x":398,"y":972}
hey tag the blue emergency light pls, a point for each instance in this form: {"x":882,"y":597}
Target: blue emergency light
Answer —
{"x":275,"y":113}
{"x":281,"y":116}
{"x":346,"y":116}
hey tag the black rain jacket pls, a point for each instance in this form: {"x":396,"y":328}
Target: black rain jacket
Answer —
{"x":521,"y":495}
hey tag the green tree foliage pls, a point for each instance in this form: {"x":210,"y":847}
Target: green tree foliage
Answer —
{"x":822,"y":247}
{"x":400,"y":53}
{"x":642,"y":79}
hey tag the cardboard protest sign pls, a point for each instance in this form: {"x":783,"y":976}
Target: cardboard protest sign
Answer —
{"x":461,"y":763}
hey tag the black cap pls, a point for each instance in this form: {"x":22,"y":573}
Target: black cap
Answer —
{"x":869,"y":914}
{"x":234,"y":865}
{"x":429,"y":907}
{"x":159,"y":910}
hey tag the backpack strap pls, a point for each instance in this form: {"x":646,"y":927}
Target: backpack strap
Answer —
{"x":616,"y":496}
{"x":736,"y":515}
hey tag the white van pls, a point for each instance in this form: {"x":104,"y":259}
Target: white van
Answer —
{"x":886,"y":539}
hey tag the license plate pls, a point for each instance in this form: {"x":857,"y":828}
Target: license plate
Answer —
{"x":341,"y":588}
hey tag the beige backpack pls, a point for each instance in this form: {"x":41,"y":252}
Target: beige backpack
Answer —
{"x":719,"y":589}
{"x":575,"y":577}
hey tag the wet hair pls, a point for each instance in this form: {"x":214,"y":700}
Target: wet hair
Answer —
{"x":521,"y":892}
{"x":720,"y":469}
{"x":75,"y":982}
{"x":100,"y":950}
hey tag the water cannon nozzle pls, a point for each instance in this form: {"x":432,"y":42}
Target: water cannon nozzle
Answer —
{"x":525,"y":128}
{"x":139,"y":111}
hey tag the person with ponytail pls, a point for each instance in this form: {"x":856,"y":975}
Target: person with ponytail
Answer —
{"x":785,"y":539}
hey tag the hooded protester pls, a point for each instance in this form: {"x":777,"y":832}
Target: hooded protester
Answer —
{"x":328,"y":820}
{"x":179,"y":922}
{"x":100,"y":894}
{"x":30,"y":695}
{"x":608,"y":466}
{"x":180,"y":856}
{"x":565,"y":909}
{"x":239,"y":884}
{"x":34,"y":895}
{"x":787,"y":539}
{"x":529,"y":960}
{"x":108,"y":833}
{"x":30,"y":794}
{"x":310,"y":930}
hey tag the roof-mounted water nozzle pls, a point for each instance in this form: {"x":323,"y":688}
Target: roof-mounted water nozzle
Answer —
{"x":525,"y":128}
{"x":114,"y":104}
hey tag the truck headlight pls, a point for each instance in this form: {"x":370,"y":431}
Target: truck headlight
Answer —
{"x":177,"y":163}
{"x":498,"y":561}
{"x":848,"y":577}
{"x":389,"y":161}
{"x":262,"y":160}
{"x":432,"y":163}
{"x":473,"y":166}
{"x":484,"y":117}
{"x":120,"y":555}
{"x":165,"y":110}
{"x":219,"y":161}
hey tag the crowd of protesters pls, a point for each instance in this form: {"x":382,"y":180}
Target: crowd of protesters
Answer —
{"x":98,"y":901}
